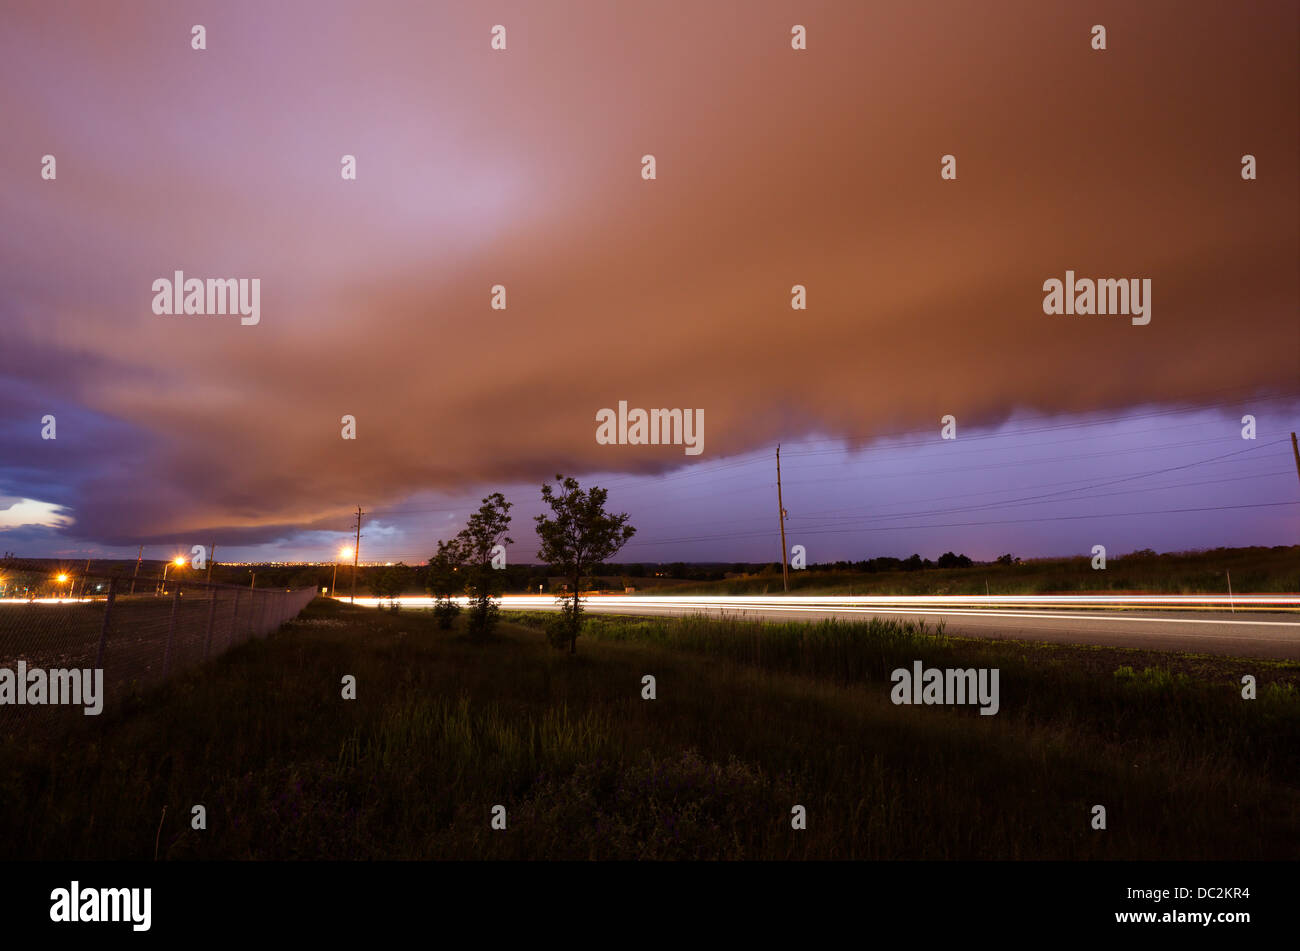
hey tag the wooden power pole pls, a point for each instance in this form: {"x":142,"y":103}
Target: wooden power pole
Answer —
{"x":137,"y":568}
{"x":1296,"y":451}
{"x":212,"y":554}
{"x":356,"y":556}
{"x":780,"y":505}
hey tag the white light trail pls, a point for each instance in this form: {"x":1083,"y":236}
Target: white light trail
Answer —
{"x":867,"y":602}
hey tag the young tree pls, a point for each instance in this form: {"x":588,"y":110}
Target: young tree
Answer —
{"x":475,"y":544}
{"x":578,"y":535}
{"x":445,"y":582}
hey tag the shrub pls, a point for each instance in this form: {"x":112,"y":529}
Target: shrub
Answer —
{"x":559,"y":627}
{"x":445,"y":611}
{"x":483,"y":614}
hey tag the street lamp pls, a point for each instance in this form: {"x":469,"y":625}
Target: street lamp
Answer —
{"x":61,"y":579}
{"x":344,"y":553}
{"x":178,"y":562}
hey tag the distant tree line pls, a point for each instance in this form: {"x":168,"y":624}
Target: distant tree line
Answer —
{"x":914,"y":563}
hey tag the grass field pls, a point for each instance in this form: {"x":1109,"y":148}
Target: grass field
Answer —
{"x":750,"y":719}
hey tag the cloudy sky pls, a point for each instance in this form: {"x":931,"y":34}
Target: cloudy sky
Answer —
{"x":775,"y":167}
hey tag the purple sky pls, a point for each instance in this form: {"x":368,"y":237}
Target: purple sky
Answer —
{"x":775,"y":167}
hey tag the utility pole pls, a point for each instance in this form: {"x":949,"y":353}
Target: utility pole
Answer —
{"x":1296,"y":450}
{"x":137,"y":568}
{"x":212,"y":554}
{"x":785,"y":569}
{"x":356,"y":556}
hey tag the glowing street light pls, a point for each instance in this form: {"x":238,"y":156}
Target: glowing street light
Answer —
{"x":178,"y":561}
{"x":344,"y":553}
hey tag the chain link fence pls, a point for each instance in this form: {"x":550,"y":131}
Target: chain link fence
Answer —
{"x":138,"y":632}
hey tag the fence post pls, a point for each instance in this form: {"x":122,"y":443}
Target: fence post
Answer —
{"x":234,"y":619}
{"x":171,"y":631}
{"x":212,"y":617}
{"x":103,"y":630}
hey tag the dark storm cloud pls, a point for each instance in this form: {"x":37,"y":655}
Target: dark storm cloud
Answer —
{"x":522,"y":168}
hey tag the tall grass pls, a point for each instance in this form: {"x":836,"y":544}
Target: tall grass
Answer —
{"x":750,"y":720}
{"x":1042,"y":684}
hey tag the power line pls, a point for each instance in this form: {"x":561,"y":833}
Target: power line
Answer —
{"x":966,"y":495}
{"x":1011,"y":521}
{"x":1004,"y":503}
{"x":1086,"y":498}
{"x":1097,"y":485}
{"x":1022,"y":462}
{"x":846,"y":514}
{"x":1015,"y":464}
